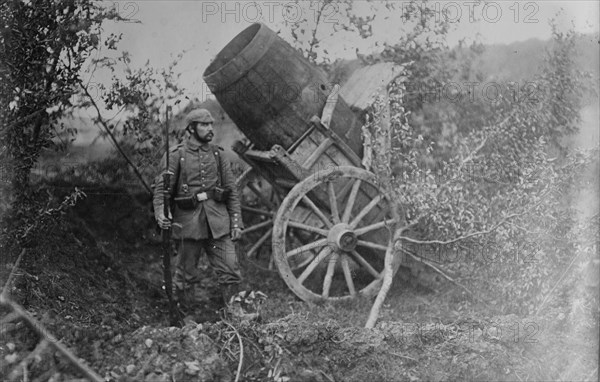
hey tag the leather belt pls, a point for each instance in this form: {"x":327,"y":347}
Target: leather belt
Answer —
{"x":202,"y":196}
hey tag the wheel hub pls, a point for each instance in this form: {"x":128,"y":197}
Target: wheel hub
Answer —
{"x":343,"y":237}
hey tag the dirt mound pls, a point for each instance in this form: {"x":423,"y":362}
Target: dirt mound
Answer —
{"x":164,"y":354}
{"x":92,"y":276}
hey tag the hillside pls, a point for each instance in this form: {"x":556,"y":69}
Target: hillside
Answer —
{"x":513,"y":62}
{"x":521,"y":60}
{"x":508,"y":62}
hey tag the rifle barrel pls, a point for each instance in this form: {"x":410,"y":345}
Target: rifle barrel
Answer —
{"x":175,"y":315}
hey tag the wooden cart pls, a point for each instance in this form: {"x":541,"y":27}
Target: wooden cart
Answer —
{"x":309,"y":209}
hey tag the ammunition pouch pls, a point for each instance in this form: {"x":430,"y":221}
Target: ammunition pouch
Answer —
{"x":188,"y":202}
{"x":220,"y":194}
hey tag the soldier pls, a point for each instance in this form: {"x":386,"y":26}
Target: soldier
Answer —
{"x":206,"y":212}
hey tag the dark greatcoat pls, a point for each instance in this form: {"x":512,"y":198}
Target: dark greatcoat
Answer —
{"x":201,"y":172}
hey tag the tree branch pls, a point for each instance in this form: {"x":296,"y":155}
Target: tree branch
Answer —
{"x":388,"y":275}
{"x":21,"y":368}
{"x":50,"y":80}
{"x":314,"y":40}
{"x":539,"y":309}
{"x":478,"y":233}
{"x":11,"y":277}
{"x":114,"y":140}
{"x":443,"y":274}
{"x":49,"y":338}
{"x":472,"y":154}
{"x":239,"y":369}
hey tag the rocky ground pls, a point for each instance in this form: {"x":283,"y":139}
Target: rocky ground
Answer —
{"x":92,"y":277}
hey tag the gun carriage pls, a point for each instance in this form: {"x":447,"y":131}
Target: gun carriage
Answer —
{"x":309,"y":208}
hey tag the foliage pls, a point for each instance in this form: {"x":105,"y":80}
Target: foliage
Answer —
{"x":446,"y":96}
{"x":420,"y":37}
{"x":143,"y":93}
{"x":44,"y":46}
{"x":317,"y":21}
{"x":140,"y":98}
{"x":462,"y":101}
{"x":418,"y":43}
{"x":494,"y":215}
{"x":37,"y":218}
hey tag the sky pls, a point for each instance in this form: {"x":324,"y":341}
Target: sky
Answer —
{"x":164,"y":29}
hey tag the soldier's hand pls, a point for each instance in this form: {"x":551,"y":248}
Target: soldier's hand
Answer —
{"x":236,"y":234}
{"x":163,"y":221}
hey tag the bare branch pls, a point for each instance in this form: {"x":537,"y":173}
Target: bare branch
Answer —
{"x":472,"y":154}
{"x":114,"y":140}
{"x":478,"y":233}
{"x":443,"y":274}
{"x":539,"y":309}
{"x":21,"y":368}
{"x":239,"y":369}
{"x":48,"y":337}
{"x":6,"y":290}
{"x":388,"y":275}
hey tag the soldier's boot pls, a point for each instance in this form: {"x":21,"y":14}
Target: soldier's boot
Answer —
{"x":234,"y":304}
{"x":186,"y":298}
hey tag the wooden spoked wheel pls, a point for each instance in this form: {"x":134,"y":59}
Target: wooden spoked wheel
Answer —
{"x":347,"y":224}
{"x":260,"y":202}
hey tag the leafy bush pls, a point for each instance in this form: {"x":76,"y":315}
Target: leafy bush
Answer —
{"x":493,"y":211}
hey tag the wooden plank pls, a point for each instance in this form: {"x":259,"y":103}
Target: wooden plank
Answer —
{"x":308,"y":145}
{"x":294,"y":169}
{"x":259,"y":155}
{"x":302,"y":138}
{"x":316,"y":154}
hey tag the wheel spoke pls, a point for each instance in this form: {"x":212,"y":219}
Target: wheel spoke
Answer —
{"x":304,"y":262}
{"x":276,"y":196}
{"x":313,"y":264}
{"x":271,"y":263}
{"x":257,"y":211}
{"x":333,"y":202}
{"x":350,"y":201}
{"x":307,"y":247}
{"x":260,"y":194}
{"x":365,"y":264}
{"x":260,"y":242}
{"x":366,"y":210}
{"x":348,"y":276}
{"x":373,"y":227}
{"x":369,"y":244}
{"x":317,"y":211}
{"x":306,"y":227}
{"x":258,"y":226}
{"x":329,"y":275}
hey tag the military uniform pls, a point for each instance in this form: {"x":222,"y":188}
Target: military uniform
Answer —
{"x":208,"y":225}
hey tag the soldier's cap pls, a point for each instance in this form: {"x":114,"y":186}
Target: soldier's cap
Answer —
{"x":198,"y":115}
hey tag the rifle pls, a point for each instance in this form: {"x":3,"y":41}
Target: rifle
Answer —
{"x":174,"y":313}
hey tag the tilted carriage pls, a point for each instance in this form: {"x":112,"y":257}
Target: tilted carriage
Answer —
{"x":309,"y":208}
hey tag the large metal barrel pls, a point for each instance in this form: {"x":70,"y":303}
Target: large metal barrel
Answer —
{"x":271,"y":91}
